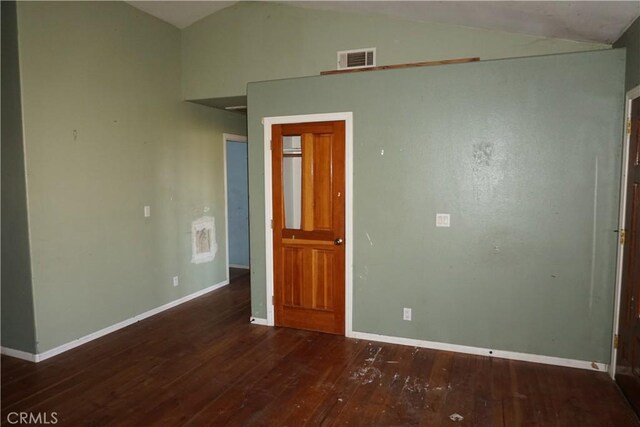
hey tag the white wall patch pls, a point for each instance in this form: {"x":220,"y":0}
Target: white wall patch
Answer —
{"x":203,"y":240}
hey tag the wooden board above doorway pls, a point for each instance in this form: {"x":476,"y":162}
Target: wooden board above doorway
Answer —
{"x":398,"y":66}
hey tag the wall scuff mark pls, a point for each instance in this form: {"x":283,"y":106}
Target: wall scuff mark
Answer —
{"x":369,"y":238}
{"x":594,"y":237}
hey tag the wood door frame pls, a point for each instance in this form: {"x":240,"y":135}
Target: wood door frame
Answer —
{"x":267,"y":122}
{"x":233,"y":138}
{"x":631,"y":95}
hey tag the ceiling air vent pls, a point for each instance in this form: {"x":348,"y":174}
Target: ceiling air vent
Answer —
{"x":357,"y":58}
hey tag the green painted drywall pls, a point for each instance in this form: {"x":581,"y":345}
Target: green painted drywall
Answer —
{"x":106,"y":133}
{"x":255,"y":41}
{"x":631,"y":40}
{"x":18,"y":324}
{"x":525,"y":156}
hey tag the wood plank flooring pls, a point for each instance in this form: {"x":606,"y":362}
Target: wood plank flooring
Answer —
{"x":202,"y":363}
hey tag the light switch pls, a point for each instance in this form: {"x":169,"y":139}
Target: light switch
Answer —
{"x":147,"y":211}
{"x":443,"y":220}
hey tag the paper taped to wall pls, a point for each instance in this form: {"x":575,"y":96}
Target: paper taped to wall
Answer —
{"x":203,"y":240}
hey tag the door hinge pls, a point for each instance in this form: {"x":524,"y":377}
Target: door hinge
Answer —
{"x":272,"y":224}
{"x":273,"y":300}
{"x":616,"y":338}
{"x":623,"y":235}
{"x":628,"y":126}
{"x":271,"y":144}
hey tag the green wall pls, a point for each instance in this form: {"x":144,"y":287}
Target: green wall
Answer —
{"x":631,"y":40}
{"x":106,"y":133}
{"x":525,"y":156}
{"x":255,"y":41}
{"x":18,"y":323}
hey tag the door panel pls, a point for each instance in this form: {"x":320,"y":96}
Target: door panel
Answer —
{"x":292,"y":276}
{"x":628,"y":357}
{"x":321,"y":279}
{"x":322,"y":206}
{"x":309,"y":225}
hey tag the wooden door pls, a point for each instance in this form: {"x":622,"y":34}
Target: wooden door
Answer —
{"x":308,"y":162}
{"x":628,"y":359}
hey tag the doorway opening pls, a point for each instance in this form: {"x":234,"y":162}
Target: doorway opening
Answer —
{"x":237,"y":204}
{"x":311,"y":232}
{"x":625,"y":357}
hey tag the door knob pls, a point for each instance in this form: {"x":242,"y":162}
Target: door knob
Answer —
{"x":337,"y":242}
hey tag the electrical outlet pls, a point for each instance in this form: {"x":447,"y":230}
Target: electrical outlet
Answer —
{"x":406,"y":314}
{"x":147,"y":211}
{"x":175,"y":281}
{"x":443,"y":220}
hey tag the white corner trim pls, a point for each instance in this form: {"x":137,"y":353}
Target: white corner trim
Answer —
{"x":18,"y":354}
{"x":102,"y":332}
{"x":479,"y":351}
{"x":244,"y":267}
{"x":633,"y":93}
{"x":258,"y":321}
{"x":268,"y":212}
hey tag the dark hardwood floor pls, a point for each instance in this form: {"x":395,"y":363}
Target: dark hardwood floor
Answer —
{"x":234,"y":273}
{"x":202,"y":363}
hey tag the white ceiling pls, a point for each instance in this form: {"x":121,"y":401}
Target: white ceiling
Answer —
{"x":599,"y":21}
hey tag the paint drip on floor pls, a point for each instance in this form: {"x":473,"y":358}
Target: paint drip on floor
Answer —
{"x":366,"y":374}
{"x":456,"y":417}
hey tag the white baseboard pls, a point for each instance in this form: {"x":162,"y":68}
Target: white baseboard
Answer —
{"x":258,"y":321}
{"x":244,"y":267}
{"x":526,"y":357}
{"x":18,"y":354}
{"x":102,"y":332}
